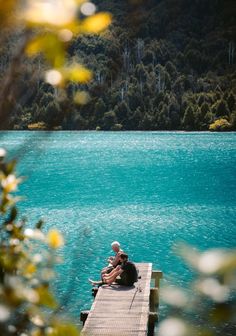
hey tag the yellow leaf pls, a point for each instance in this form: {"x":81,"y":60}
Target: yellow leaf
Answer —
{"x":50,"y":45}
{"x":55,"y":239}
{"x":96,"y":23}
{"x":81,"y":97}
{"x":37,"y":332}
{"x":64,"y":329}
{"x":10,"y":183}
{"x":80,"y":2}
{"x":29,"y":269}
{"x":46,"y":298}
{"x":77,"y":73}
{"x":33,"y":47}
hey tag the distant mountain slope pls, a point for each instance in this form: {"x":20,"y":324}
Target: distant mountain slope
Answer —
{"x":163,"y":65}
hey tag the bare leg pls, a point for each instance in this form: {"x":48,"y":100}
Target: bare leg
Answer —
{"x":107,"y":270}
{"x":114,"y":271}
{"x":107,"y":278}
{"x":111,"y":277}
{"x":107,"y":281}
{"x":95,"y":283}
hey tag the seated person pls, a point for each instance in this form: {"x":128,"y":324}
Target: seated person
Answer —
{"x":113,"y":260}
{"x":126,"y":271}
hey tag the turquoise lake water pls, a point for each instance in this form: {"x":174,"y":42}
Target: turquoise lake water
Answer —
{"x":148,"y":190}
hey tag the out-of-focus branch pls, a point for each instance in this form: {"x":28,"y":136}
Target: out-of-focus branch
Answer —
{"x":6,"y":97}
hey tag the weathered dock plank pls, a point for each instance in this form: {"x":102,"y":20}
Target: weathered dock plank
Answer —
{"x":121,"y":311}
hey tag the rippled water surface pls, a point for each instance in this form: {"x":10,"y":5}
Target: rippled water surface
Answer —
{"x":148,"y":190}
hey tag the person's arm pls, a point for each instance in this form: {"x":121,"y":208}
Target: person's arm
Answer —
{"x":112,"y":272}
{"x":115,"y":260}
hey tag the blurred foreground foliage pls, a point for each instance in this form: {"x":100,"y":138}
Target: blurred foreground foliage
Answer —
{"x":43,"y":30}
{"x":27,"y":259}
{"x":209,"y":308}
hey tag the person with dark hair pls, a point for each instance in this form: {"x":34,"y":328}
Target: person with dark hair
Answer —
{"x":127,"y":273}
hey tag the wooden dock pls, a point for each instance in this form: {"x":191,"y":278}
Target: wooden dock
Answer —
{"x":125,"y":311}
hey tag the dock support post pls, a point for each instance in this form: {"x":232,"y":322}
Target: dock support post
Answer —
{"x":152,"y":319}
{"x":94,"y":291}
{"x":84,"y":315}
{"x":157,"y":275}
{"x":154,"y":299}
{"x":154,"y":302}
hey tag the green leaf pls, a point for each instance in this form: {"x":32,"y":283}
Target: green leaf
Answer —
{"x":10,"y":167}
{"x":64,"y":329}
{"x":13,"y":214}
{"x":39,"y":224}
{"x":46,"y":298}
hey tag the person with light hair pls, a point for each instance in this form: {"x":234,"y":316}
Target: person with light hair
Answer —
{"x":116,"y":248}
{"x":113,"y":261}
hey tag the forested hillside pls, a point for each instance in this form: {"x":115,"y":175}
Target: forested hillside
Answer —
{"x":162,"y":65}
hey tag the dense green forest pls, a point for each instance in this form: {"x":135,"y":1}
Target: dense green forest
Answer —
{"x":162,"y":65}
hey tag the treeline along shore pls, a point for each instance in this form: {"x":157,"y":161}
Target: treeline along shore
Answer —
{"x":161,"y":65}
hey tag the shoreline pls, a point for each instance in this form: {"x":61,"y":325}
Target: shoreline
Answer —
{"x":123,"y":131}
{"x":114,"y":132}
